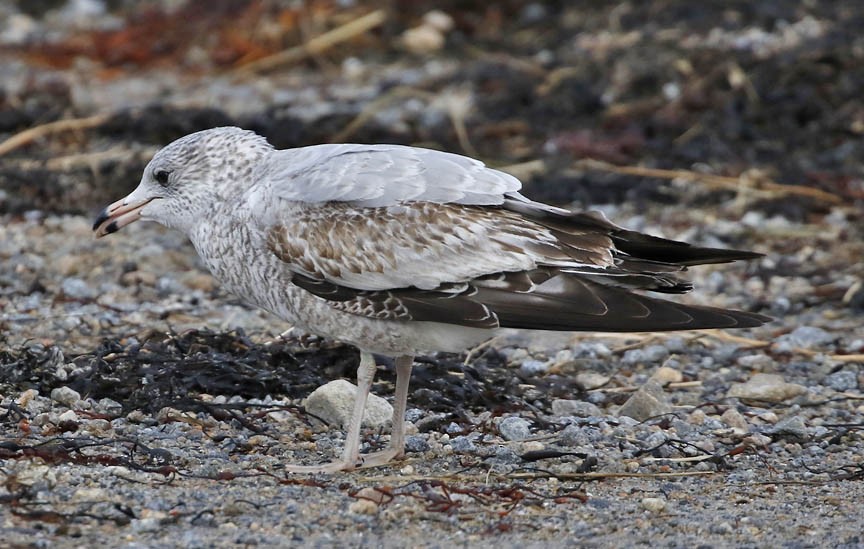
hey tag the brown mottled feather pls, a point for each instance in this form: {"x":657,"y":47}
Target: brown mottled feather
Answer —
{"x":514,"y":266}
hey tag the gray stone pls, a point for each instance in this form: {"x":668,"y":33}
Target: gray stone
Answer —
{"x":791,"y":425}
{"x":334,"y":403}
{"x":462,"y":444}
{"x":65,"y":396}
{"x":416,"y":444}
{"x":514,"y":428}
{"x":414,"y":414}
{"x":844,"y":380}
{"x":766,"y":387}
{"x":649,"y":401}
{"x":806,"y":337}
{"x":734,"y":419}
{"x":505,"y":456}
{"x":574,"y":408}
{"x":76,"y":288}
{"x":591,"y":380}
{"x":534,"y":367}
{"x":573,"y":435}
{"x":651,"y":354}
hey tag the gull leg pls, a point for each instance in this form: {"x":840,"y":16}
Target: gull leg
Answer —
{"x":351,"y":450}
{"x":396,"y":448}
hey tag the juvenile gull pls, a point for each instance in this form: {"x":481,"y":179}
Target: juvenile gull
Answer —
{"x":403,"y":251}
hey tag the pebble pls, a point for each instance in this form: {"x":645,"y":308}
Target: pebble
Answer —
{"x":334,"y":403}
{"x":68,"y":415}
{"x":791,"y":425}
{"x":842,"y":381}
{"x":76,"y":288}
{"x":655,"y":505}
{"x":27,"y":397}
{"x":514,"y":428}
{"x":149,"y":524}
{"x":363,"y":507}
{"x":371,"y":494}
{"x":65,"y":396}
{"x":649,"y":401}
{"x":665,"y":374}
{"x":416,"y":444}
{"x":767,"y":387}
{"x":574,"y":408}
{"x":534,"y":367}
{"x":647,"y":355}
{"x":806,"y":337}
{"x":463,"y":444}
{"x":734,"y":419}
{"x":591,"y":380}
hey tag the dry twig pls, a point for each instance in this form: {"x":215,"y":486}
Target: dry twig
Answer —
{"x":316,"y":45}
{"x":761,"y":187}
{"x":58,"y":126}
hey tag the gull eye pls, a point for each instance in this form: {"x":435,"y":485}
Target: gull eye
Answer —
{"x":161,"y":177}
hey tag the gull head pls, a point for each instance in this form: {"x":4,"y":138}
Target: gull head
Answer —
{"x":185,"y":180}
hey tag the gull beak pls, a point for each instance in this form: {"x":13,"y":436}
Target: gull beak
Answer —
{"x":118,"y":215}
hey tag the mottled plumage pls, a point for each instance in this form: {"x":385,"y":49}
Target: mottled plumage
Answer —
{"x":401,"y":250}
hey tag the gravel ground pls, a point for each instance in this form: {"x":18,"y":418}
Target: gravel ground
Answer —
{"x":141,"y":406}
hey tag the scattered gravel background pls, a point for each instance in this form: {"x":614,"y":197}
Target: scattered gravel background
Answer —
{"x":140,"y":406}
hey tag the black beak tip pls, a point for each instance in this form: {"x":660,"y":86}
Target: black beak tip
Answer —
{"x":101,"y":218}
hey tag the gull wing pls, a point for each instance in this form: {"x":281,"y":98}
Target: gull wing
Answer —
{"x":382,"y":175}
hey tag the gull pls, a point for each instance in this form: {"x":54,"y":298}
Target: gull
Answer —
{"x":403,"y":251}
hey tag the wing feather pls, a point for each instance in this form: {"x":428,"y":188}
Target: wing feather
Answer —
{"x":381,"y":175}
{"x":405,"y":234}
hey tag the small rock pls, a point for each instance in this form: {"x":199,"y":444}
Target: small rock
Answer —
{"x":791,"y":425}
{"x":199,"y":281}
{"x":439,"y":20}
{"x":574,"y":408}
{"x":647,"y":355}
{"x":722,"y":528}
{"x":649,"y":401}
{"x":655,"y":505}
{"x":363,"y":507}
{"x":26,"y":397}
{"x":65,"y":396}
{"x":734,"y":419}
{"x":806,"y":337}
{"x":371,"y":494}
{"x":755,"y":361}
{"x":68,"y":415}
{"x":109,"y":406}
{"x":696,"y":417}
{"x":505,"y":456}
{"x":423,"y":39}
{"x":767,"y":387}
{"x":334,"y":403}
{"x":38,"y":477}
{"x":462,"y":444}
{"x":757,"y":439}
{"x":416,"y":444}
{"x":842,"y":381}
{"x":665,"y":374}
{"x":534,"y":367}
{"x":75,"y":288}
{"x":591,"y":380}
{"x":149,"y":524}
{"x":514,"y":428}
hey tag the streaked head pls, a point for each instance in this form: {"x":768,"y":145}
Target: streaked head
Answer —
{"x":185,"y":179}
